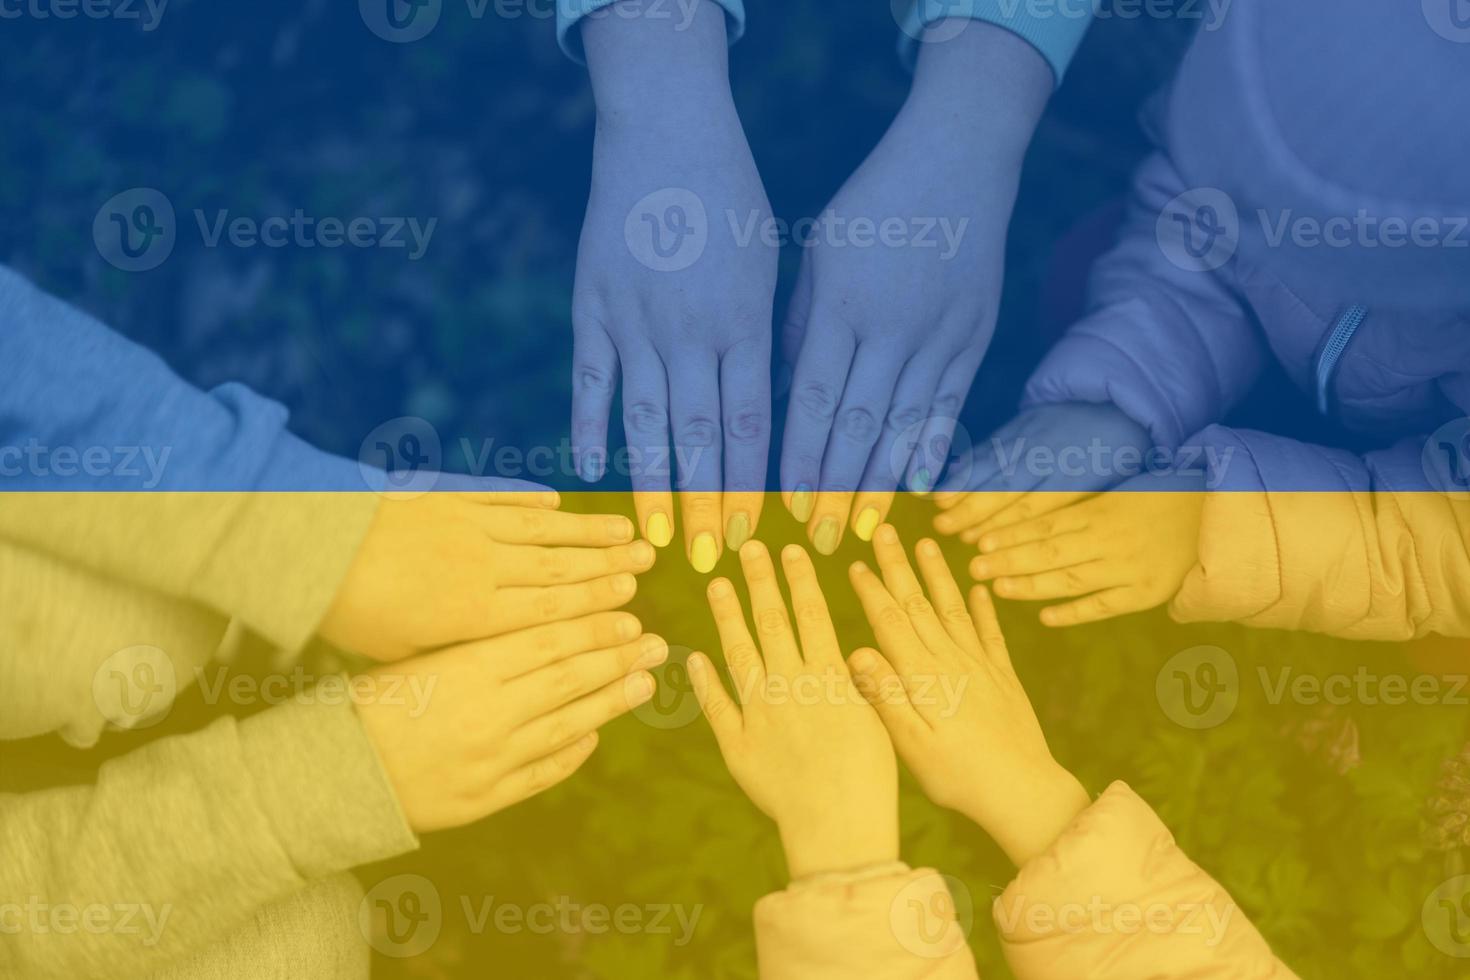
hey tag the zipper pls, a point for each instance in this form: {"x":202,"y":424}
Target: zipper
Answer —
{"x":1337,"y":344}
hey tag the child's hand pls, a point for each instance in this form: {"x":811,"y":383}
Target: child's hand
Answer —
{"x":1123,"y":551}
{"x":945,"y":689}
{"x":476,"y":728}
{"x":802,"y":742}
{"x":1047,"y":457}
{"x":449,"y":567}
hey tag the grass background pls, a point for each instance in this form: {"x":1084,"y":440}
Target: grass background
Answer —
{"x":484,"y":125}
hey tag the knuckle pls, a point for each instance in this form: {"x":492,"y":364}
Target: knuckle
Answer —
{"x":903,"y":417}
{"x":746,"y":423}
{"x":770,"y":622}
{"x":564,"y":679}
{"x":591,"y":378}
{"x":1072,"y":580}
{"x":947,"y":405}
{"x":811,"y":613}
{"x":859,"y":424}
{"x":547,"y":605}
{"x":818,"y":399}
{"x":699,"y":431}
{"x":954,"y":610}
{"x":553,"y":565}
{"x":916,"y":605}
{"x":701,"y":508}
{"x":558,"y":733}
{"x":646,"y":417}
{"x":892,"y":616}
{"x":742,"y":653}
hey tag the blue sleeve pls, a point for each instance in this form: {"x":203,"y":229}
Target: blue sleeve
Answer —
{"x":1055,"y":31}
{"x":83,"y":408}
{"x":570,"y":12}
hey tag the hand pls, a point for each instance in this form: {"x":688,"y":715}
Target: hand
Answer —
{"x":444,"y":568}
{"x":896,"y":301}
{"x":669,"y":294}
{"x":799,"y":739}
{"x":1047,"y":457}
{"x":1124,"y":551}
{"x":977,"y":748}
{"x":497,"y":721}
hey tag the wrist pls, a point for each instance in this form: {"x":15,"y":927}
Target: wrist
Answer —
{"x":1039,"y":807}
{"x":645,"y":67}
{"x":854,"y":844}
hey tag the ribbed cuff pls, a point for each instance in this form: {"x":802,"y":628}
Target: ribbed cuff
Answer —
{"x":1053,"y":29}
{"x":570,"y":12}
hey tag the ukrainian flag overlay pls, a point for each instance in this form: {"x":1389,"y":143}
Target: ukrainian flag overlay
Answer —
{"x":544,"y":489}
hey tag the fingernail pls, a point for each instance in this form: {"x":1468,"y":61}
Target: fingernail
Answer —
{"x":719,"y":588}
{"x":587,"y":742}
{"x":705,"y":554}
{"x":660,"y":531}
{"x":654,"y":652}
{"x":980,"y":568}
{"x":827,"y":536}
{"x":628,"y":627}
{"x":921,"y":482}
{"x":737,"y":530}
{"x":989,"y":543}
{"x":887,"y":534}
{"x":625,"y":584}
{"x":639,"y":689}
{"x":643,"y":554}
{"x":619,"y":529}
{"x":801,"y":502}
{"x":861,"y":660}
{"x":866,"y":523}
{"x":591,"y":466}
{"x":1048,"y":618}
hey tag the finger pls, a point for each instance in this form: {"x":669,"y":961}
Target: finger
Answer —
{"x":890,"y":624}
{"x":508,"y":493}
{"x":570,"y":721}
{"x":927,"y":464}
{"x":962,"y":511}
{"x":518,"y":607}
{"x":1064,"y":583}
{"x":819,"y":644}
{"x":541,"y":691}
{"x":903,"y":585}
{"x":876,"y":680}
{"x":594,"y":378}
{"x":724,"y":716}
{"x":768,"y":610}
{"x":1046,"y":555}
{"x":526,"y":525}
{"x":1091,"y":609}
{"x":855,"y":432}
{"x":794,"y":327}
{"x":983,"y":466}
{"x":542,"y":774}
{"x":745,"y":398}
{"x":1065,"y":521}
{"x":948,"y":600}
{"x":538,"y":565}
{"x":694,"y":396}
{"x":816,"y":389}
{"x":521,"y":652}
{"x":987,"y":627}
{"x":1030,"y":507}
{"x":889,"y":459}
{"x":646,"y":422}
{"x":742,"y":656}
